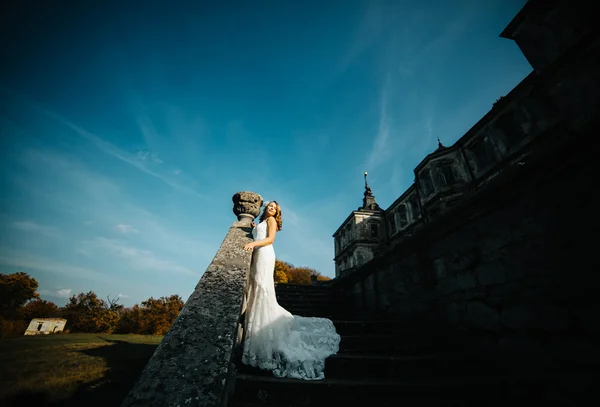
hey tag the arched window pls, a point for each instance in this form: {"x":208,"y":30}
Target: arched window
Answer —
{"x":426,"y":182}
{"x":392,"y":220}
{"x":415,"y":212}
{"x":447,"y":173}
{"x":402,"y":216}
{"x":374,"y":229}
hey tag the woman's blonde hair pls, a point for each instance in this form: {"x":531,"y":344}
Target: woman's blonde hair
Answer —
{"x":277,"y":215}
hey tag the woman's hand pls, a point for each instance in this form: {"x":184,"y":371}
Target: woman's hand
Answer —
{"x":249,"y":246}
{"x":253,"y":224}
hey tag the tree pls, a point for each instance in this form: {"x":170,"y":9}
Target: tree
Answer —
{"x":88,"y":313}
{"x":288,"y":273}
{"x":132,"y":321}
{"x":15,"y":290}
{"x":113,"y":304}
{"x":159,"y":314}
{"x":280,"y":277}
{"x":319,"y":276}
{"x":300,"y":275}
{"x":38,"y":309}
{"x":281,"y":273}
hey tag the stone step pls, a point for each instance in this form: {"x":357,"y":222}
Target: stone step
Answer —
{"x":314,"y":313}
{"x":304,"y":295}
{"x":556,"y":387}
{"x":306,"y":298}
{"x":303,"y":288}
{"x":349,"y":327}
{"x":303,"y":291}
{"x":307,"y":306}
{"x":273,"y":391}
{"x":407,"y":366}
{"x":306,"y":287}
{"x":319,"y":302}
{"x":392,"y":344}
{"x":384,"y":365}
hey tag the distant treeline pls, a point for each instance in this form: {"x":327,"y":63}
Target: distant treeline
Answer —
{"x":86,"y":312}
{"x":288,"y":273}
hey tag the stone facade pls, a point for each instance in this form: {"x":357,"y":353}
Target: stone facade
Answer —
{"x":44,"y":326}
{"x":361,"y":236}
{"x":556,"y":96}
{"x":492,"y":237}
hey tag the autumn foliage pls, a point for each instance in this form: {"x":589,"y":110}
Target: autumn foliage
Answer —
{"x":15,"y":290}
{"x":39,"y":309}
{"x":84,"y":312}
{"x":287,"y":273}
{"x":153,"y":317}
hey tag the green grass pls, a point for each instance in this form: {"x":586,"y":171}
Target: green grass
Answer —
{"x":71,"y":369}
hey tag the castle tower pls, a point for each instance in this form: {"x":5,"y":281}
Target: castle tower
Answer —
{"x":361,"y":235}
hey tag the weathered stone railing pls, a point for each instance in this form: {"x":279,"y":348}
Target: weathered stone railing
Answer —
{"x":192,"y":366}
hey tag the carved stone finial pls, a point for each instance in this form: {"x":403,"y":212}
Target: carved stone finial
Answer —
{"x":246,"y":206}
{"x":369,"y":200}
{"x":440,"y":145}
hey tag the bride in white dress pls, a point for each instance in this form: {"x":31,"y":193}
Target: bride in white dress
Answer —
{"x":289,"y":345}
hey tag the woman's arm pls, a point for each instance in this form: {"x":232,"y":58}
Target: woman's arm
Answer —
{"x":271,"y":231}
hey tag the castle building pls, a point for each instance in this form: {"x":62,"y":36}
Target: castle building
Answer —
{"x":560,"y":95}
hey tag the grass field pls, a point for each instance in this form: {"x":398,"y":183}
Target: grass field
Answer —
{"x":71,"y":369}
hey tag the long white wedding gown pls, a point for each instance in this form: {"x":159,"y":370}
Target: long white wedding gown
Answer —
{"x":289,"y":345}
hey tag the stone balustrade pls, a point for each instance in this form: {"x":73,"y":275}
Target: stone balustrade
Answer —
{"x":193,"y":366}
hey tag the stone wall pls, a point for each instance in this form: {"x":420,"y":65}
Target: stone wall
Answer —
{"x":514,"y":266}
{"x":193,"y":366}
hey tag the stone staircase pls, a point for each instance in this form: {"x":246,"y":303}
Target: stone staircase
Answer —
{"x":380,"y":362}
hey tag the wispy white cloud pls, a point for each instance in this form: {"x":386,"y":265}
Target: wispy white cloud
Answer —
{"x":87,"y":195}
{"x":136,"y":258}
{"x":146,"y":127}
{"x":62,"y":293}
{"x":291,"y":216}
{"x":30,"y":260}
{"x":374,"y":23}
{"x":125,"y":229}
{"x":116,"y":152}
{"x":121,"y":295}
{"x":380,"y":150}
{"x":28,"y":226}
{"x":410,"y":55}
{"x":146,"y":155}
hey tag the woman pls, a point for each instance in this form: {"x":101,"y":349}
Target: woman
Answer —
{"x":289,"y":345}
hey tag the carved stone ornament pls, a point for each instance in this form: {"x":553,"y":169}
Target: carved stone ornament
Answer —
{"x":246,"y":206}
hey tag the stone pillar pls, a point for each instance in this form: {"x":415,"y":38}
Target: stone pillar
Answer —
{"x":192,"y":366}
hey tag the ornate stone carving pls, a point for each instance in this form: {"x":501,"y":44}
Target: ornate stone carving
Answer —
{"x":246,"y":206}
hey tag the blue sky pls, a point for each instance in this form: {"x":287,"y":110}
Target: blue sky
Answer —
{"x":125,"y":131}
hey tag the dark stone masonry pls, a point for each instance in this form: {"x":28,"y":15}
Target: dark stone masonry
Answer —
{"x":192,"y":366}
{"x":494,"y":245}
{"x":517,"y":265}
